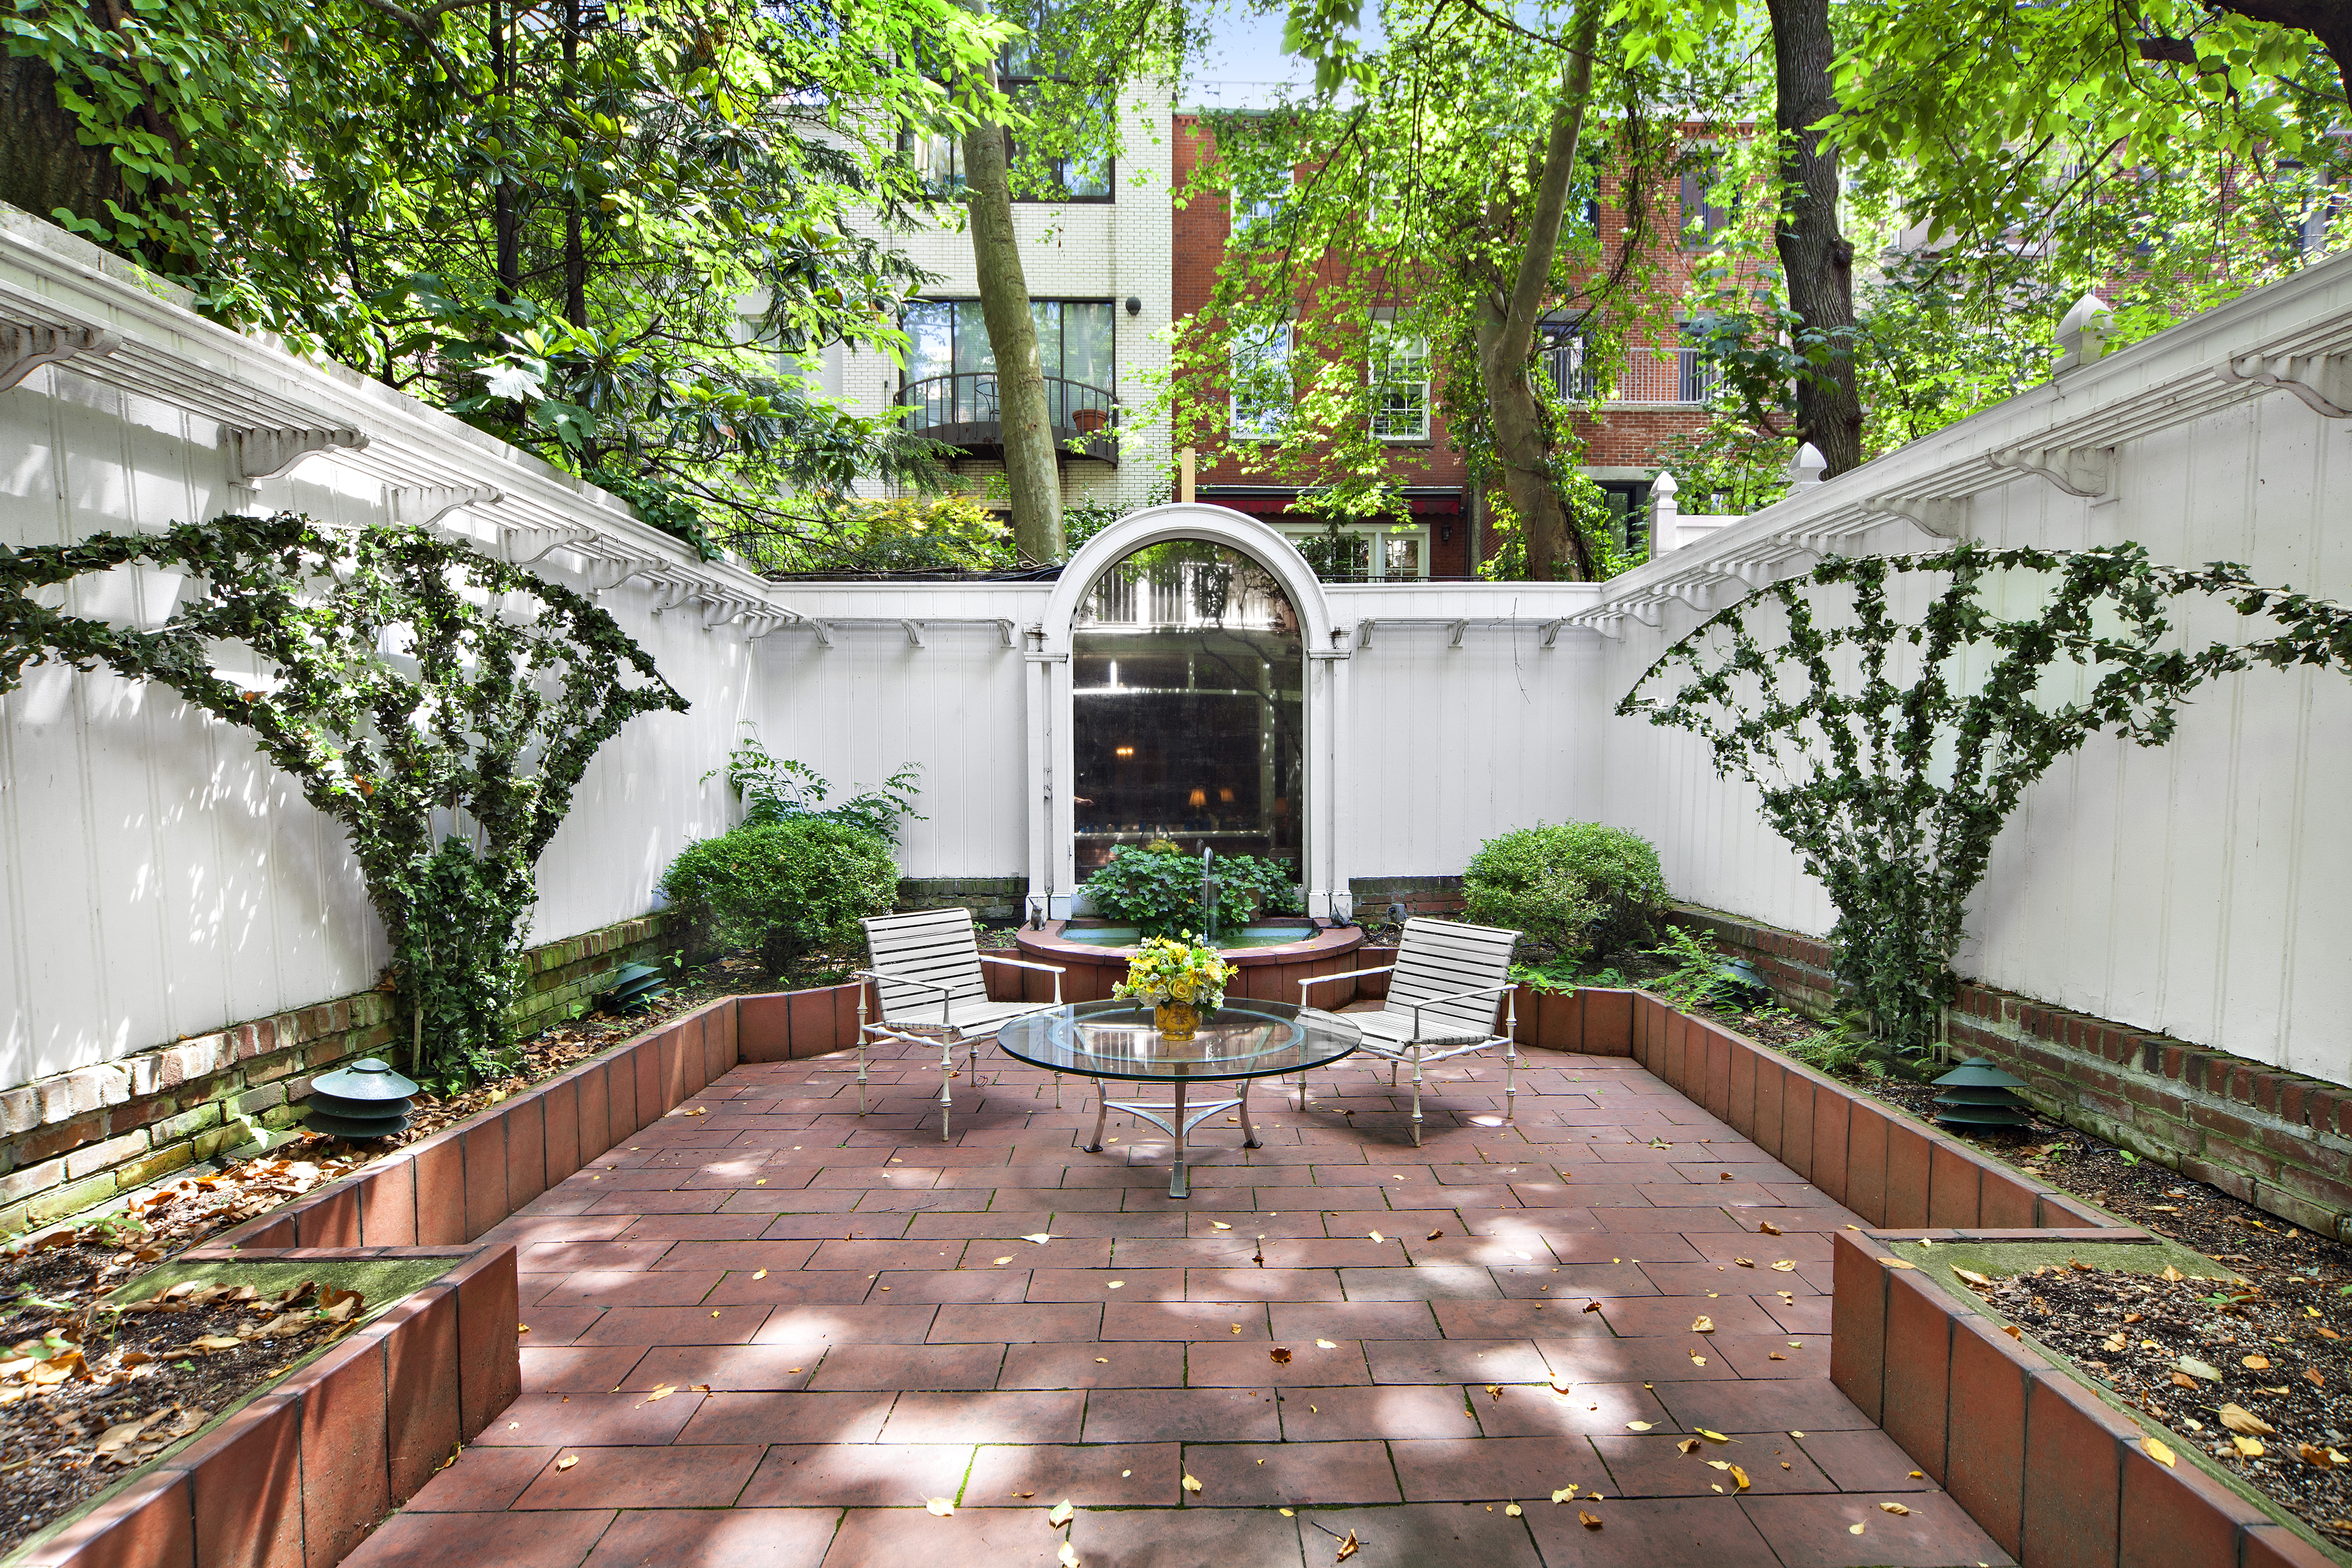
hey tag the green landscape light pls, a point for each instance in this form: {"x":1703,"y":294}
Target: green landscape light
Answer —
{"x":1978,"y":1094}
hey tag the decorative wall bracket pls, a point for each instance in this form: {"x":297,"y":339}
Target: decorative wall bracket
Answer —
{"x":1944,"y":517}
{"x":422,"y":506}
{"x":608,"y":571}
{"x":24,"y":349}
{"x":527,"y":546}
{"x":2323,"y":381}
{"x":2086,"y":471}
{"x":261,"y":452}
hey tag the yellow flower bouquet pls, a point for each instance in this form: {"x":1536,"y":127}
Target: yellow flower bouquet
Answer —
{"x":1178,"y":980}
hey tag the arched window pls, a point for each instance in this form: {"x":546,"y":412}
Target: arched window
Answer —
{"x":1187,"y":687}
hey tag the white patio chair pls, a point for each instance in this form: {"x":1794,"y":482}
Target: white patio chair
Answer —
{"x":1448,"y":983}
{"x":925,"y":971}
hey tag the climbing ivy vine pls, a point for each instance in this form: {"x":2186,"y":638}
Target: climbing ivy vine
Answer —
{"x":439,"y":705}
{"x":1889,"y":749}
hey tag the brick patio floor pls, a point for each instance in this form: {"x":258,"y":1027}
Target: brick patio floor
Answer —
{"x":1394,"y":1341}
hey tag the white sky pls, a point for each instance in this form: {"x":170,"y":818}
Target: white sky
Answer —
{"x":1246,"y":68}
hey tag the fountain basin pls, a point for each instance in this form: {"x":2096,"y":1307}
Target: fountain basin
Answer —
{"x":1271,"y":957}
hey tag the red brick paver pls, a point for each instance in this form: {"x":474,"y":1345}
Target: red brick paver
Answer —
{"x":766,"y":1330}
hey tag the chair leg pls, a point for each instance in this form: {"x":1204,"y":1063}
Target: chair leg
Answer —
{"x":1510,"y":1080}
{"x":947,"y":1079}
{"x":861,"y":1072}
{"x":1416,"y":1096}
{"x":1058,"y":1091}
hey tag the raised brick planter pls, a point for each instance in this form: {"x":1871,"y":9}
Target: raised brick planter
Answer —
{"x":297,"y":1477}
{"x":2053,"y":1471}
{"x":2276,"y":1140}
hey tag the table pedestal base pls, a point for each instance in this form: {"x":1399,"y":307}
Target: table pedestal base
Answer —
{"x":1177,"y":1120}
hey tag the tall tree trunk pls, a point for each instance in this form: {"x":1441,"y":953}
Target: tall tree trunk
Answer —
{"x":1030,"y":469}
{"x":576,"y":256}
{"x":506,"y":228}
{"x":42,"y":164}
{"x":1817,"y":261}
{"x":1505,"y":330}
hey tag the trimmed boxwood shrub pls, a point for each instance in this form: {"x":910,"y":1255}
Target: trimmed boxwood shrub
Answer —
{"x":784,"y":888}
{"x":1574,"y":887}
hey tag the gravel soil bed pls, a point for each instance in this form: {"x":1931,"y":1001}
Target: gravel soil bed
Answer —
{"x":88,"y":1391}
{"x":2259,"y":1376}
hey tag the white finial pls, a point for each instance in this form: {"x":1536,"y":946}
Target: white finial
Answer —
{"x":2082,"y":335}
{"x":1805,"y":467}
{"x":1663,"y":485}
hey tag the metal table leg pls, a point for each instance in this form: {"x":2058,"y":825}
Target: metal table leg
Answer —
{"x":1177,"y":1119}
{"x":1180,"y":1180}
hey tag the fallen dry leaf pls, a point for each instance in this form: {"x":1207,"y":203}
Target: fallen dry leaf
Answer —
{"x":1593,"y":1306}
{"x":1710,"y":1437}
{"x":1697,"y":1359}
{"x":1767,"y":1227}
{"x":1192,"y":1483}
{"x":1040,"y":1237}
{"x":762,"y":1274}
{"x":2248,"y":1447}
{"x":1637,"y":1426}
{"x":1688,"y":1444}
{"x":2238,"y":1418}
{"x":2013,"y":1331}
{"x":2172,"y":1274}
{"x":1347,"y":1548}
{"x":2113,"y":1342}
{"x":663,"y":1392}
{"x":1376,"y":1235}
{"x":1897,"y":1263}
{"x":940,"y":1507}
{"x":566,"y":1462}
{"x":1496,"y":1389}
{"x":1514,"y":1509}
{"x":1973,"y":1277}
{"x":1738,"y":1476}
{"x":1589,"y":1520}
{"x":1435,"y":1233}
{"x":1854,"y":1529}
{"x":1893,"y":1507}
{"x":1564,"y":1493}
{"x":1785,"y":1265}
{"x":1325,"y":1346}
{"x":1744,"y":1262}
{"x":1219,"y":1224}
{"x":1279,"y":1356}
{"x":1068,"y":1556}
{"x":1060,"y":1513}
{"x":1702,"y":1324}
{"x":2314,"y":1456}
{"x":2255,"y":1362}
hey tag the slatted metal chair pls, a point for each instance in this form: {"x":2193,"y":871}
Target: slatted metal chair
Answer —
{"x":1449,"y":981}
{"x":925,"y":972}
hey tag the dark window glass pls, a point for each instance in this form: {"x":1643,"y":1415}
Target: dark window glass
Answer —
{"x":1186,"y":694}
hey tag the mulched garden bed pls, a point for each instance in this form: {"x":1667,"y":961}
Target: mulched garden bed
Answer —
{"x":2259,"y":1375}
{"x":89,"y":1389}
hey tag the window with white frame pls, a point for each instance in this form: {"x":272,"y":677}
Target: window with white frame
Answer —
{"x":1361,"y":552}
{"x":1257,"y":371}
{"x":1399,"y":371}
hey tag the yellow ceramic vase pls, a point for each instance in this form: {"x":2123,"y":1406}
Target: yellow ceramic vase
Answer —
{"x":1176,"y":1020}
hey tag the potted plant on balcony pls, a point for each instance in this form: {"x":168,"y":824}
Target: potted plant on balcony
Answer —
{"x":1178,"y":980}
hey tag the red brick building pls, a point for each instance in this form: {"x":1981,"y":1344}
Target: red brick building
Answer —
{"x":1662,"y":394}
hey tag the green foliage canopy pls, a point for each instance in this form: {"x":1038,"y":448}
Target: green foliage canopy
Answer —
{"x":1573,"y":886}
{"x":784,"y":888}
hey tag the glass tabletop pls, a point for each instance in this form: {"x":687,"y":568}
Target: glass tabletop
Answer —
{"x":1243,"y":1039}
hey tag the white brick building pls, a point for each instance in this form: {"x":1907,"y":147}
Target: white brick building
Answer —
{"x":1100,"y":266}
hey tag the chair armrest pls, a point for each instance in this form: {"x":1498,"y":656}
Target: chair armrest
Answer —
{"x":1024,"y":963}
{"x":1459,"y":996}
{"x":899,"y":980}
{"x":1351,"y":974}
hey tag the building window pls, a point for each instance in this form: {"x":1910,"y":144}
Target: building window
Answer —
{"x":1564,"y":362}
{"x":1361,"y":551}
{"x":951,"y":368}
{"x":1399,"y":370}
{"x":1696,"y":376}
{"x":1258,"y":374}
{"x":1258,"y":206}
{"x":1703,"y":218}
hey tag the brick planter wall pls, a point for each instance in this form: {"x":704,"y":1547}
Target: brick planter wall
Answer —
{"x":71,"y":1142}
{"x":988,"y":898}
{"x":2273,"y":1138}
{"x":297,"y":1477}
{"x":2053,"y":1472}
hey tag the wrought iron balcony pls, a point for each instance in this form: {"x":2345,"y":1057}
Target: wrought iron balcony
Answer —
{"x":961,"y":411}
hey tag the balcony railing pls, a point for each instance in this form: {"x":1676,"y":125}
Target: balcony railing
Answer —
{"x":962,"y":411}
{"x":1657,"y":376}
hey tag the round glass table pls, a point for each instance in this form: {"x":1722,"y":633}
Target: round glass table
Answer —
{"x":1244,"y":1040}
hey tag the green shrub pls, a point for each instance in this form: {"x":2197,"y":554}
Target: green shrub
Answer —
{"x":786,"y":888}
{"x":1159,"y":891}
{"x":1577,"y":887}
